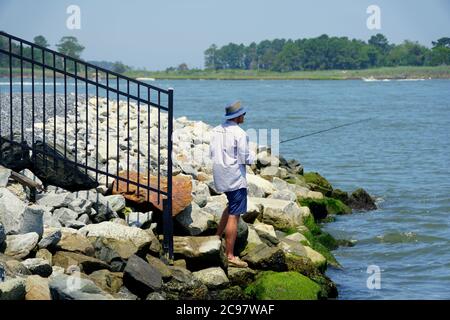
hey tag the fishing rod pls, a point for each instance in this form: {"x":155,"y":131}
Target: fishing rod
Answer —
{"x":329,"y":129}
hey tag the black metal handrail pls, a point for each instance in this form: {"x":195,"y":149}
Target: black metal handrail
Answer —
{"x":80,"y":74}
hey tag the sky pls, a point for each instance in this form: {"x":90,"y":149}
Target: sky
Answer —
{"x":158,"y":34}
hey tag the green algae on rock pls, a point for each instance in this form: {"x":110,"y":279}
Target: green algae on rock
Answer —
{"x":322,"y":208}
{"x":318,"y":183}
{"x":289,"y":285}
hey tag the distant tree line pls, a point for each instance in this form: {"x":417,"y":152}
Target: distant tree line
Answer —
{"x":67,"y":45}
{"x":324,"y":53}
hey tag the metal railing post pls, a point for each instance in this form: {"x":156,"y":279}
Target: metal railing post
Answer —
{"x":167,"y":203}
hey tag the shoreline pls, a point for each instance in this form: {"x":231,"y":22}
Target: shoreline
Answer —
{"x":376,"y":74}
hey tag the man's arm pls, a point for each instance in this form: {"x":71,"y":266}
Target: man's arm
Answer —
{"x":245,"y":155}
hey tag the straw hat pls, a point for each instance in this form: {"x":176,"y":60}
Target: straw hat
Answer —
{"x":234,"y":110}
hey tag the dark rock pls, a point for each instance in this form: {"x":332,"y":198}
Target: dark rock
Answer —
{"x":14,"y":154}
{"x":109,"y":255}
{"x":232,"y":293}
{"x":263,"y":257}
{"x":38,"y":267}
{"x":241,"y":276}
{"x":340,"y":195}
{"x":361,"y":200}
{"x":13,"y":289}
{"x":140,"y":277}
{"x":292,"y":166}
{"x":49,"y":166}
{"x":183,"y":285}
{"x":50,"y":239}
{"x":2,"y":234}
{"x":85,"y":263}
{"x":321,"y":208}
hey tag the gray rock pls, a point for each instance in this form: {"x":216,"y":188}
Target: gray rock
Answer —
{"x":11,"y":211}
{"x":32,"y":220}
{"x":74,"y":287}
{"x":284,"y":195}
{"x":125,"y":294}
{"x":30,"y":175}
{"x":50,"y":221}
{"x":13,"y":289}
{"x":125,"y":240}
{"x":55,"y":200}
{"x":195,"y":220}
{"x":213,"y":278}
{"x":4,"y":176}
{"x":270,"y":172}
{"x":259,"y":187}
{"x":282,"y":214}
{"x":38,"y":266}
{"x":81,"y":206}
{"x":64,"y":215}
{"x":156,"y":296}
{"x":50,"y":239}
{"x":19,"y":246}
{"x":200,"y":193}
{"x":298,"y":237}
{"x":103,"y":211}
{"x":116,"y":202}
{"x":139,"y":219}
{"x":200,"y":252}
{"x":279,"y":184}
{"x":188,"y":169}
{"x":84,"y":218}
{"x":140,"y":277}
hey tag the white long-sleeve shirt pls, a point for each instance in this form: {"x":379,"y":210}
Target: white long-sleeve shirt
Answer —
{"x":230,"y":152}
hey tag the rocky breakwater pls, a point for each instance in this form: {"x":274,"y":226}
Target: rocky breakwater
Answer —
{"x":91,"y":244}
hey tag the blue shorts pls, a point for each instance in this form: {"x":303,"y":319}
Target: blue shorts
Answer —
{"x":237,"y":201}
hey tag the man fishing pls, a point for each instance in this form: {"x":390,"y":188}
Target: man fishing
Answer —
{"x":230,"y":153}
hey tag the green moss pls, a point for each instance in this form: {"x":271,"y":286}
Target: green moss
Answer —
{"x":323,"y":208}
{"x":331,"y":260}
{"x":335,"y":206}
{"x":300,"y":264}
{"x":297,"y":179}
{"x":289,"y":230}
{"x":283,"y":286}
{"x":312,"y":226}
{"x":318,"y":183}
{"x":321,"y":241}
{"x":340,"y":195}
{"x":249,"y":247}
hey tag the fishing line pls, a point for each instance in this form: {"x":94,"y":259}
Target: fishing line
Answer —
{"x":325,"y":130}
